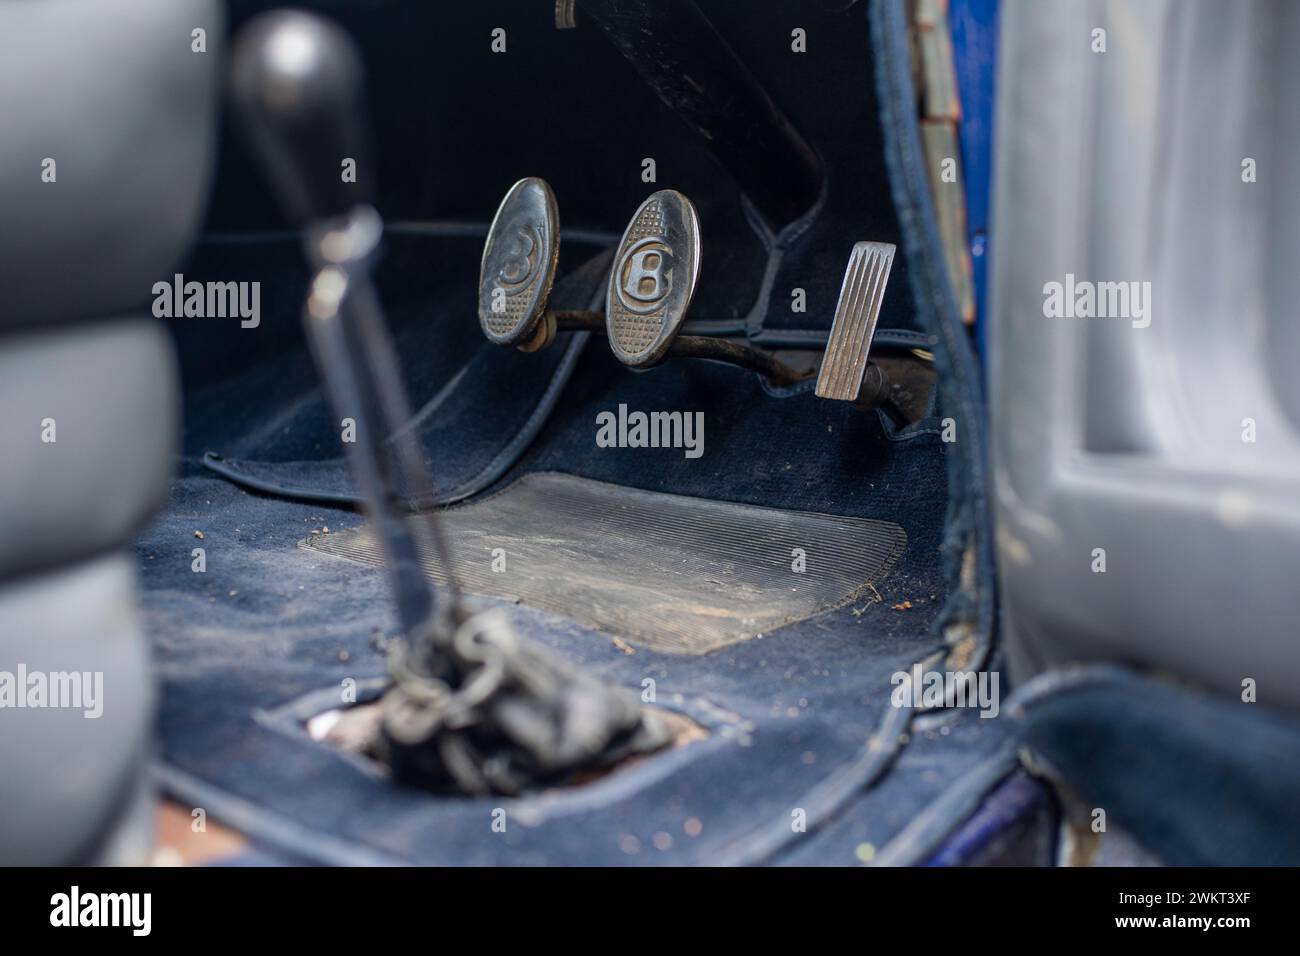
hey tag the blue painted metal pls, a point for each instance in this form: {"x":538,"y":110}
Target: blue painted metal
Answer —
{"x":974,"y":26}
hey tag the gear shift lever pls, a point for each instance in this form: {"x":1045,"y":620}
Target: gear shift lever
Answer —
{"x":471,"y":704}
{"x":298,"y":84}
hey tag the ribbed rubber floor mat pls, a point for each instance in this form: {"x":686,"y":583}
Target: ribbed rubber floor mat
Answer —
{"x":674,"y":574}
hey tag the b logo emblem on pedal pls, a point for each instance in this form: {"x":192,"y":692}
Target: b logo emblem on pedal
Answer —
{"x":519,"y":261}
{"x":653,"y":279}
{"x":646,"y":275}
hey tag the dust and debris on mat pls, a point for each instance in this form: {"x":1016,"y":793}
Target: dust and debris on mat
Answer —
{"x":903,"y":606}
{"x":876,"y":598}
{"x":624,"y":646}
{"x":324,"y":529}
{"x":199,"y":535}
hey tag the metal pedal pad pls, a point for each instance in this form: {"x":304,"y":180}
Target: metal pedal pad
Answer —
{"x":518,"y":270}
{"x":653,"y":279}
{"x":856,"y":314}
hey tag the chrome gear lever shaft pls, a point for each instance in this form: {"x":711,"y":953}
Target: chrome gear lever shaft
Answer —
{"x":297,"y":83}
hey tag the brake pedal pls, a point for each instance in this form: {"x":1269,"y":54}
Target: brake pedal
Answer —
{"x":653,"y":279}
{"x":651,"y":285}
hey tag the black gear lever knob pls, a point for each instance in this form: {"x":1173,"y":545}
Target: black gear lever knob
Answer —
{"x":298,"y":88}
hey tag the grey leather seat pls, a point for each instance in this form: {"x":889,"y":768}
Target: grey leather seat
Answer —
{"x":118,"y":98}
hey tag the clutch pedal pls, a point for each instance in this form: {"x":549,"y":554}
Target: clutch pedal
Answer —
{"x":518,"y":269}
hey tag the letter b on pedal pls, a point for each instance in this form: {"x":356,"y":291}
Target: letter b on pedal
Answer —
{"x":647,"y":275}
